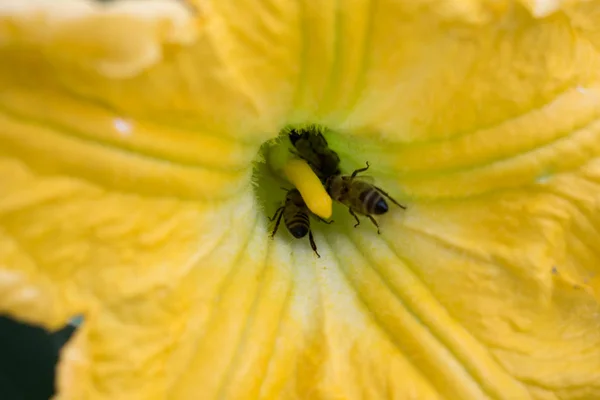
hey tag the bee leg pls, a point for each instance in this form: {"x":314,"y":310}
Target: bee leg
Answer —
{"x":325,"y":221}
{"x":275,"y":215}
{"x":390,"y":197}
{"x":280,"y":211}
{"x":355,"y":217}
{"x":357,"y":171}
{"x":311,"y":239}
{"x":374,"y":223}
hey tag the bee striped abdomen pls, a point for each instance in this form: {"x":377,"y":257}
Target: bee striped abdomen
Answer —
{"x":372,"y":202}
{"x":296,"y":219}
{"x":295,"y":215}
{"x":298,"y":225}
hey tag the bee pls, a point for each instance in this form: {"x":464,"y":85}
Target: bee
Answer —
{"x":313,"y":148}
{"x":359,"y":196}
{"x":295,"y":215}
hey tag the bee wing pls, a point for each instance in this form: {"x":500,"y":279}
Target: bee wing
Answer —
{"x":366,"y":178}
{"x":319,"y":142}
{"x":305,"y":151}
{"x":355,"y":190}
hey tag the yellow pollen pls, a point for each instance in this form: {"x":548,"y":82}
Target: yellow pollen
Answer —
{"x":299,"y":173}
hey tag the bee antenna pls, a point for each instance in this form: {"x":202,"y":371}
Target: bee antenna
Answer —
{"x":286,"y":190}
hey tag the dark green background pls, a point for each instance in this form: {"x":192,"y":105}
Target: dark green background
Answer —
{"x":28,"y":357}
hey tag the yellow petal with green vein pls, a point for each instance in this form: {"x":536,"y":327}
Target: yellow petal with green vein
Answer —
{"x":135,"y":190}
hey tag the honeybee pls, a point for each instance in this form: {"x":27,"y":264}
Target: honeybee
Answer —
{"x":359,"y":196}
{"x":296,"y":215}
{"x":313,"y":148}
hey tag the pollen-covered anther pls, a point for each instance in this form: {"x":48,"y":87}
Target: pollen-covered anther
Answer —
{"x":299,"y":173}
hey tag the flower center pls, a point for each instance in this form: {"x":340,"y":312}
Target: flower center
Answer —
{"x":280,"y":169}
{"x":300,"y":172}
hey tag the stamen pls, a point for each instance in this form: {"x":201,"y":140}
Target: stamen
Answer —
{"x":299,"y":173}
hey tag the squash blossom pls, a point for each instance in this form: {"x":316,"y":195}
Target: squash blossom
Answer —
{"x":141,"y":157}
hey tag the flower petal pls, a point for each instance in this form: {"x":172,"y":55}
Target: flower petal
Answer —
{"x":113,"y":203}
{"x":246,"y":323}
{"x":466,"y":99}
{"x":471,"y":299}
{"x":175,"y":70}
{"x":524,"y":263}
{"x":81,"y":244}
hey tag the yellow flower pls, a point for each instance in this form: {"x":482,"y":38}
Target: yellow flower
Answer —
{"x":133,"y":192}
